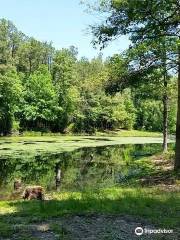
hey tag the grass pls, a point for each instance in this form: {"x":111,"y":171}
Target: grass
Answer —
{"x":119,"y":132}
{"x":130,"y":133}
{"x":159,"y":207}
{"x":5,"y":230}
{"x":59,"y":230}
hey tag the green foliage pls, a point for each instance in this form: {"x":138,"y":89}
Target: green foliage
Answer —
{"x":150,"y":115}
{"x":10,"y":40}
{"x":32,"y":54}
{"x":152,"y":28}
{"x":62,"y":93}
{"x":149,"y":105}
{"x":63,"y":73}
{"x":125,"y":112}
{"x":10,"y":94}
{"x":140,"y":19}
{"x":40,"y":104}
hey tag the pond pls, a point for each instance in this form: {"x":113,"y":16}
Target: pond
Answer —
{"x":81,"y":169}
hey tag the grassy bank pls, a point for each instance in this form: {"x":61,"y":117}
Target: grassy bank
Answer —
{"x":117,"y":133}
{"x":160,"y":207}
{"x":129,"y":133}
{"x":145,"y":205}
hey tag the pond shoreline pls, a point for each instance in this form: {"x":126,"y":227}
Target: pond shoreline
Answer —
{"x":106,"y":181}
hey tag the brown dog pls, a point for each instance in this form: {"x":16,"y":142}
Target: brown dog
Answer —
{"x":33,"y":192}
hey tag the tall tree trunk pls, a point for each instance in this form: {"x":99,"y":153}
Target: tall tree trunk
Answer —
{"x":30,"y":65}
{"x":58,"y":176}
{"x":165,"y":122}
{"x":177,"y":155}
{"x":49,"y":63}
{"x":165,"y":99}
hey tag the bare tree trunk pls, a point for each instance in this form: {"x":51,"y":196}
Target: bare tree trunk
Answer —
{"x":49,"y":63}
{"x":177,"y":155}
{"x":30,"y":65}
{"x":165,"y":118}
{"x":165,"y":106}
{"x":165,"y":98}
{"x":58,"y":176}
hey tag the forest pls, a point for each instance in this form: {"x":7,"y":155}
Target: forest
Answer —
{"x":45,"y":89}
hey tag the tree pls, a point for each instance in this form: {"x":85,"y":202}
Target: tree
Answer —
{"x":64,"y":76}
{"x":156,"y":52}
{"x":144,"y":20}
{"x":10,"y":41}
{"x":40,"y":106}
{"x":91,"y":76}
{"x":32,"y":54}
{"x":120,"y":75}
{"x":99,"y":110}
{"x":10,"y":94}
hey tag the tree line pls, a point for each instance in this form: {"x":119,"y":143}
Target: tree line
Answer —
{"x":45,"y":89}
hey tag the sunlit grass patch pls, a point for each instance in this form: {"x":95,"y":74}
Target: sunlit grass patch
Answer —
{"x":5,"y":208}
{"x":129,"y":133}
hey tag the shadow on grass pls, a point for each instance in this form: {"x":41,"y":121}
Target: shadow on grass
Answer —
{"x":161,"y":209}
{"x":167,"y":177}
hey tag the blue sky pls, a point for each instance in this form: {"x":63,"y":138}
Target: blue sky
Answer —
{"x":64,"y":22}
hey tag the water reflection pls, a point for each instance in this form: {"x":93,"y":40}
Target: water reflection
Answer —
{"x":81,"y":169}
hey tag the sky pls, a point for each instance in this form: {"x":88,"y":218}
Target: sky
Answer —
{"x":64,"y":22}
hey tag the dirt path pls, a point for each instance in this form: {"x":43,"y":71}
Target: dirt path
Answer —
{"x":83,"y":227}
